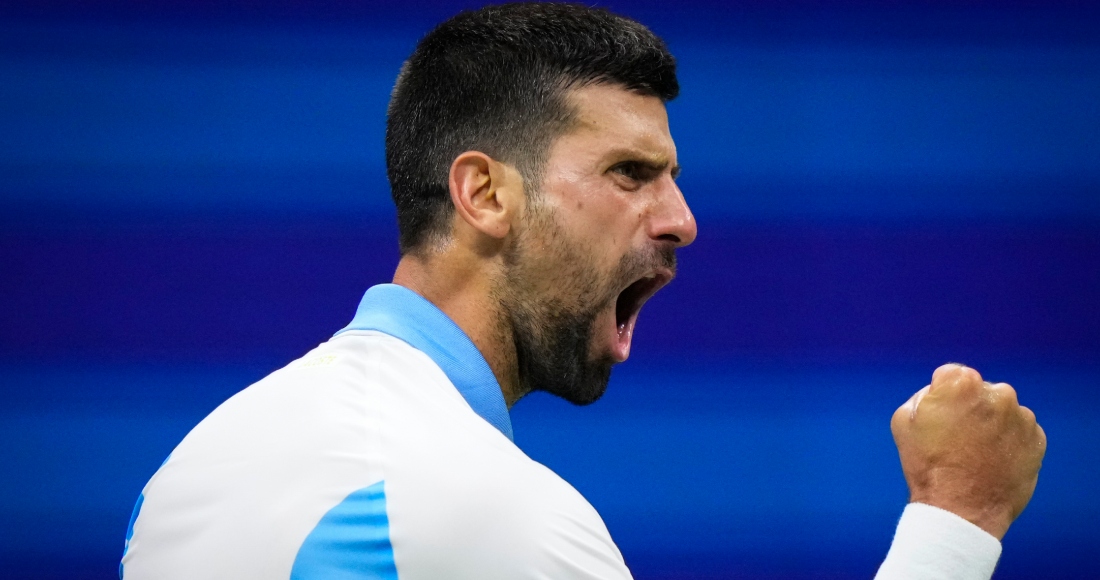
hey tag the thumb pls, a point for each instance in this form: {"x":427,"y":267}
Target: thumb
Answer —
{"x":914,"y":402}
{"x":907,"y":411}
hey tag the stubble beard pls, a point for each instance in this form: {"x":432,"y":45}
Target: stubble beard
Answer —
{"x":552,"y":336}
{"x":552,"y":354}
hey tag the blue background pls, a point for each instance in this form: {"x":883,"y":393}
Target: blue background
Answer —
{"x":193,"y":194}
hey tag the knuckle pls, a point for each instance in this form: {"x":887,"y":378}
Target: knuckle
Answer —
{"x":1004,"y":395}
{"x":957,"y":378}
{"x":945,"y":373}
{"x":970,"y":376}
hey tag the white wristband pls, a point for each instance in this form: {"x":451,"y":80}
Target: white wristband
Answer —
{"x":935,"y":544}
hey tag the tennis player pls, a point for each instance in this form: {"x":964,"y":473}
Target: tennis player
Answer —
{"x":531,"y":164}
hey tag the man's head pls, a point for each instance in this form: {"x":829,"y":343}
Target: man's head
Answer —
{"x":495,"y":80}
{"x":533,"y":169}
{"x":597,"y":242}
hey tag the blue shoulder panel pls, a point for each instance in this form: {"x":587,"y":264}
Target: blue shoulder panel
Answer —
{"x":402,"y":313}
{"x":130,"y":532}
{"x":351,"y":542}
{"x":133,"y":518}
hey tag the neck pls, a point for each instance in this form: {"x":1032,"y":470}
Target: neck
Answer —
{"x":460,"y":286}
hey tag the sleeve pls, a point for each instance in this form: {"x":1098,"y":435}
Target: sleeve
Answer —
{"x":503,"y":528}
{"x":935,"y":544}
{"x":567,"y":546}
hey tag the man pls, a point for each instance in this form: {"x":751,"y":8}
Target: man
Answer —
{"x":533,"y":171}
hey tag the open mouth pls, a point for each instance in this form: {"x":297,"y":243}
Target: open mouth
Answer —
{"x":630,"y":302}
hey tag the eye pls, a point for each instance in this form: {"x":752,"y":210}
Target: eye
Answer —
{"x":632,"y":174}
{"x":628,"y":169}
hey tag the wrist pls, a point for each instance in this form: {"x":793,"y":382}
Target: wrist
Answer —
{"x":994,"y":521}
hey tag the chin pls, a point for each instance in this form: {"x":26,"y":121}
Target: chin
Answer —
{"x":588,"y":385}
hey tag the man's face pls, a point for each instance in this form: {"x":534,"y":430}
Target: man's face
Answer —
{"x":596,"y":240}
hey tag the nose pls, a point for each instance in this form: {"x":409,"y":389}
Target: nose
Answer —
{"x":671,"y":218}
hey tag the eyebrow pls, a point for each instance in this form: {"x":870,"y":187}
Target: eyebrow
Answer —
{"x":648,"y":161}
{"x":658,"y":167}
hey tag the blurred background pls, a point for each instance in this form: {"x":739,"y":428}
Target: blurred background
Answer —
{"x":193,"y":194}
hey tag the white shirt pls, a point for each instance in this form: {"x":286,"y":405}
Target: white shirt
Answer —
{"x":387,"y":453}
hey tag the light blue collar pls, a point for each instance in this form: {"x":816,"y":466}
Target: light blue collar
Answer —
{"x":404,"y":314}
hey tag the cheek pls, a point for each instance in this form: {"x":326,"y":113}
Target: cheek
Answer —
{"x":577,"y":270}
{"x":601,"y":220}
{"x":590,"y":232}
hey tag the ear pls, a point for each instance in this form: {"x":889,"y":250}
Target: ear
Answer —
{"x":485,"y":193}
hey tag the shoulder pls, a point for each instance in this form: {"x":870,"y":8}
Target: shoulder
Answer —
{"x":462,"y":500}
{"x":515,"y":519}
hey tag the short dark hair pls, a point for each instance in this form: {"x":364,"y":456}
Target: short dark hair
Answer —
{"x":494,"y":80}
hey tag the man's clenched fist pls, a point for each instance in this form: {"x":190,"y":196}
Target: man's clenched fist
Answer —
{"x":967,"y":446}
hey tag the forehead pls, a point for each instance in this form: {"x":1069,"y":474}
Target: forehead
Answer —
{"x":609,"y":118}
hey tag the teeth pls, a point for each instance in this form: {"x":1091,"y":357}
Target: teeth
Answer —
{"x":650,"y":276}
